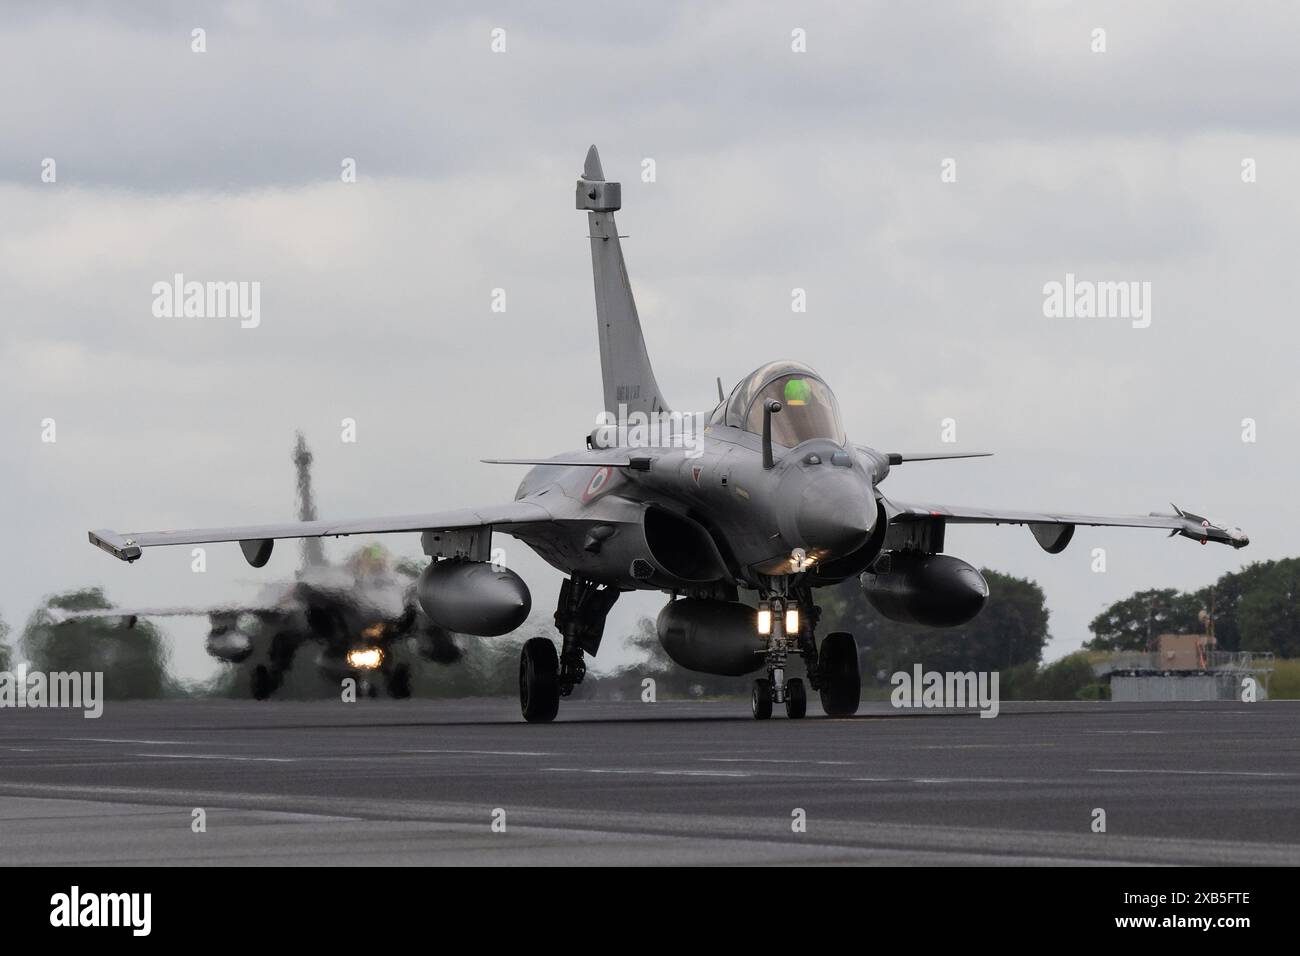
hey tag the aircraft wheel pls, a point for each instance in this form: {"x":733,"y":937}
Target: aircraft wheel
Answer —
{"x":539,"y":681}
{"x":263,"y":683}
{"x":841,"y":683}
{"x":761,"y":699}
{"x":399,"y":682}
{"x":796,"y":698}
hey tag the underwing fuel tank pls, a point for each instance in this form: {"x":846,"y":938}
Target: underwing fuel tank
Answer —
{"x":714,"y":637}
{"x":936,"y":590}
{"x":232,"y":646}
{"x":473,"y":597}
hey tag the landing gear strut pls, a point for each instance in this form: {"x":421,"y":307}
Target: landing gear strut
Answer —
{"x":264,"y":682}
{"x":788,"y":621}
{"x":268,"y":677}
{"x":399,"y":681}
{"x":580,"y":618}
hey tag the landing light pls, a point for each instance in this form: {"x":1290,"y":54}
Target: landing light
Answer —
{"x":792,"y":620}
{"x":365,"y":658}
{"x":764,"y":619}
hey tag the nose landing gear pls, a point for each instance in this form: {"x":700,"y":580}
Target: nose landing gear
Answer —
{"x":788,"y":626}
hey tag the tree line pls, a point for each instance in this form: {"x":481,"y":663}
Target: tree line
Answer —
{"x":1253,"y":609}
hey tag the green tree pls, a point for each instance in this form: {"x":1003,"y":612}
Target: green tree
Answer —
{"x":1130,"y":624}
{"x":1010,"y":631}
{"x":1267,"y":613}
{"x":1070,"y":678}
{"x":132,"y":659}
{"x":1225,"y":597}
{"x":1064,"y":679}
{"x":4,"y":645}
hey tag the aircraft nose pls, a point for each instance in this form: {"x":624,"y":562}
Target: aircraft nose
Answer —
{"x":836,"y":513}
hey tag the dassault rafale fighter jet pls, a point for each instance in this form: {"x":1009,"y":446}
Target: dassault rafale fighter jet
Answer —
{"x":355,"y":615}
{"x":772,"y":498}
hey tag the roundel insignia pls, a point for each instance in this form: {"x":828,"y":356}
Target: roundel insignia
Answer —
{"x":599,"y":481}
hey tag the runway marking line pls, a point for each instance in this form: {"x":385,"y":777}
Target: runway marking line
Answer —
{"x":488,"y":753}
{"x":128,"y":740}
{"x":219,"y":757}
{"x":820,"y":763}
{"x":655,"y":773}
{"x":955,"y":780}
{"x":1194,"y":773}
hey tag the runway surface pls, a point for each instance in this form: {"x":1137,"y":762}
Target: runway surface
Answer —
{"x":407,"y":782}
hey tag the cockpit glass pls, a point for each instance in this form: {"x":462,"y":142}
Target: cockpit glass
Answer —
{"x":808,"y":410}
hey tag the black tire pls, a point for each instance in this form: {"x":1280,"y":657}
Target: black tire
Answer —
{"x":263,"y":683}
{"x":399,"y":682}
{"x":760,"y":699}
{"x":841,"y":683}
{"x":539,"y":681}
{"x":796,"y":698}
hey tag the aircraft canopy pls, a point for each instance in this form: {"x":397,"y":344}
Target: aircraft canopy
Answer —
{"x":809,"y":409}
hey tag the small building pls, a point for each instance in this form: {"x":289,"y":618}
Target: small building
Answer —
{"x":1186,"y":667}
{"x":1179,"y":685}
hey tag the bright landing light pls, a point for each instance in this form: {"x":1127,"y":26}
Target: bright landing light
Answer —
{"x":365,"y":658}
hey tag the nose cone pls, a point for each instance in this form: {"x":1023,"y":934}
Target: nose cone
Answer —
{"x":836,"y":514}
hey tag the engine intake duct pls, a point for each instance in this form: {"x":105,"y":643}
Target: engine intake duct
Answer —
{"x":649,"y":547}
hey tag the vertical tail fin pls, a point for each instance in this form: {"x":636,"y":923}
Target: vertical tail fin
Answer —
{"x":313,"y":552}
{"x":624,"y":363}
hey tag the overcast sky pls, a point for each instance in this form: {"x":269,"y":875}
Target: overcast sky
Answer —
{"x":775,"y":169}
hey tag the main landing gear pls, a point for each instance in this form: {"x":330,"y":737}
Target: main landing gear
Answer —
{"x":268,"y":677}
{"x":544,"y":675}
{"x":787,"y":625}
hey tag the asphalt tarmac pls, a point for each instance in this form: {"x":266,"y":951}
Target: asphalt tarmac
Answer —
{"x":423,"y":782}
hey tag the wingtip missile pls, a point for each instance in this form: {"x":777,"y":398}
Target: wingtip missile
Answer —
{"x":1200,"y":528}
{"x":119,"y":546}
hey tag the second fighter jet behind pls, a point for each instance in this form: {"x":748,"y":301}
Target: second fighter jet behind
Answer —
{"x":768,"y":495}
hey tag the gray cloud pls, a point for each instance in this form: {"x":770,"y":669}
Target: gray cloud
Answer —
{"x":775,"y":170}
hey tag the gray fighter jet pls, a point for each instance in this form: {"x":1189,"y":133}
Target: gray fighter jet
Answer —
{"x":355,"y":614}
{"x":768,"y":494}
